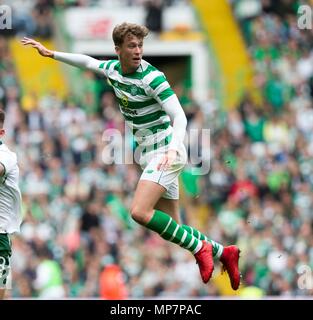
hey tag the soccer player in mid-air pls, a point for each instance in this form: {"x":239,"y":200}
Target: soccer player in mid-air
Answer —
{"x":10,"y":206}
{"x":153,"y":112}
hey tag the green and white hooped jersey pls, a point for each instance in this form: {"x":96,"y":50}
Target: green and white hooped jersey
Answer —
{"x":140,"y":96}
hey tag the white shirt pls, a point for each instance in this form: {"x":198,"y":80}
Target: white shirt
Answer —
{"x":10,"y":195}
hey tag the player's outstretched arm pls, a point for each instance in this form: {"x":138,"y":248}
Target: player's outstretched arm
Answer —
{"x":37,"y":45}
{"x":76,"y":60}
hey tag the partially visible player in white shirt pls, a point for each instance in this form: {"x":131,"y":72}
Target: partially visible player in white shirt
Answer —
{"x":10,"y":206}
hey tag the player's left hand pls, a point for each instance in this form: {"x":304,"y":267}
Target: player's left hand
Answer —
{"x":167,"y":160}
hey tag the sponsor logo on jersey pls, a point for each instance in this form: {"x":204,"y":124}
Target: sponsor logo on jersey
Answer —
{"x":130,"y":111}
{"x":124,"y":101}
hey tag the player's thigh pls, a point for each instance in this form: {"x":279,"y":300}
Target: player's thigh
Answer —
{"x":169,"y":206}
{"x":146,"y":196}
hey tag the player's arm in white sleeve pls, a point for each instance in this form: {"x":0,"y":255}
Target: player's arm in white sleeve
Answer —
{"x":159,"y":88}
{"x":74,"y":59}
{"x":8,"y":161}
{"x":79,"y":60}
{"x":178,"y":118}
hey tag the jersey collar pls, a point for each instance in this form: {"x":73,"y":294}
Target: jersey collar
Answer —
{"x":119,"y":69}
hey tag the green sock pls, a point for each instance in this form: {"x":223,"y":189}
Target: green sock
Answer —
{"x":171,"y":231}
{"x":217,"y":247}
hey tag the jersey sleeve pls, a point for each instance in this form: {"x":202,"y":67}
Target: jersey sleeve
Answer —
{"x":82,"y":61}
{"x":175,"y":111}
{"x":158,"y":87}
{"x":106,"y":66}
{"x":8,"y":160}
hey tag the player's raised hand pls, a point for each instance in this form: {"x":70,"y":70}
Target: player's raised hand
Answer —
{"x":37,"y":45}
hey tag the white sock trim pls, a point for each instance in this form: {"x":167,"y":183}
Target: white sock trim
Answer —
{"x":219,"y":251}
{"x":191,"y":242}
{"x":198,"y":247}
{"x":183,"y":237}
{"x":168,"y":224}
{"x":174,"y":234}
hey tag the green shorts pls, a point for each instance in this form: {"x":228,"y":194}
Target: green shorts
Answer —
{"x":5,"y":254}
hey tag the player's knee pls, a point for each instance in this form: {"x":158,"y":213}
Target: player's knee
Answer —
{"x":139,"y":215}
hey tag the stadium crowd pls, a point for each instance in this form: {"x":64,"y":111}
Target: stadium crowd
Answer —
{"x":77,"y":239}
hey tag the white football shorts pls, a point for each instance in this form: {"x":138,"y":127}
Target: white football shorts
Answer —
{"x":168,"y":178}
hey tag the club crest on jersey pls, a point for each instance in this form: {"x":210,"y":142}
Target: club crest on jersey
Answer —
{"x":124,"y":101}
{"x":133,"y":90}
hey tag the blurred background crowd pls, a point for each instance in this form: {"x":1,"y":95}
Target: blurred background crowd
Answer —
{"x":77,"y":239}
